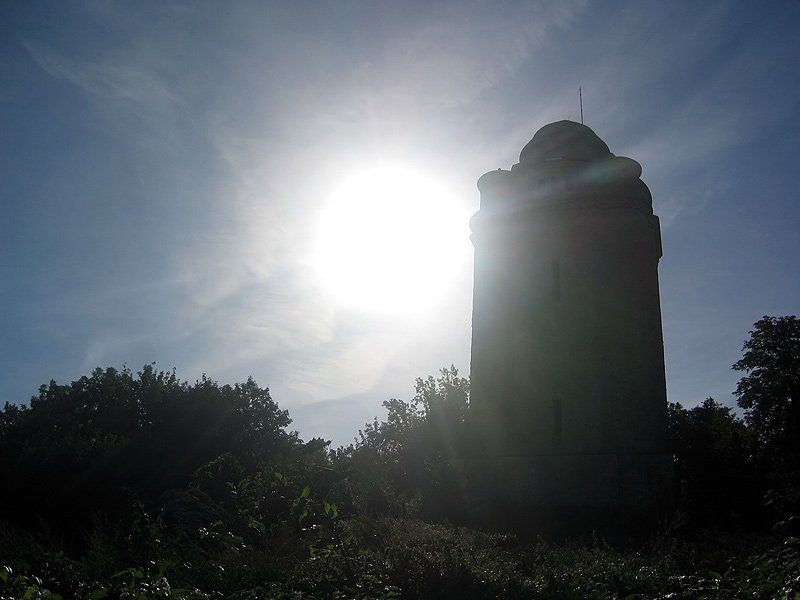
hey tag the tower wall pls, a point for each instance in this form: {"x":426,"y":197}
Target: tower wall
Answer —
{"x":568,"y":393}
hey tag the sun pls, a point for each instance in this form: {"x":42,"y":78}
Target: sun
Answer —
{"x":389,"y":239}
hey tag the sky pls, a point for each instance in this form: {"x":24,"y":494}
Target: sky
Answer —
{"x":174,"y":181}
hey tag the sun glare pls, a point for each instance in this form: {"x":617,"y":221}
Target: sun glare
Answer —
{"x":389,"y":240}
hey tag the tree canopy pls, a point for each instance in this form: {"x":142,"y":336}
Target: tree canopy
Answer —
{"x":107,"y":439}
{"x":718,"y":484}
{"x":403,"y":464}
{"x":769,"y":392}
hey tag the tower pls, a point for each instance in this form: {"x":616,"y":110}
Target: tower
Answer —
{"x":568,"y":393}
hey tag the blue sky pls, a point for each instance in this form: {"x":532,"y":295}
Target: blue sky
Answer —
{"x":164,"y":166}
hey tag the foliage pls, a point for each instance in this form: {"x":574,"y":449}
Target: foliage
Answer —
{"x":768,"y":573}
{"x":403,"y":466}
{"x":770,"y":395}
{"x":106,"y":440}
{"x":714,"y":470}
{"x":770,"y":391}
{"x":409,"y":558}
{"x":740,"y":473}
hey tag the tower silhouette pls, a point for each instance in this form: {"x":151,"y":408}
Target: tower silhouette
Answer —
{"x":568,"y":393}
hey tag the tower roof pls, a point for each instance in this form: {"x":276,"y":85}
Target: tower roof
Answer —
{"x":564,"y":140}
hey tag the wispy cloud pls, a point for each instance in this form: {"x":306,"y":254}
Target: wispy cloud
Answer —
{"x":123,"y":79}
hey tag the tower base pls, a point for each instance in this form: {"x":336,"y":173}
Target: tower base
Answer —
{"x":569,"y":494}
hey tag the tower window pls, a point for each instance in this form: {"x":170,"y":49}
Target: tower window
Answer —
{"x":558,"y":432}
{"x":555,"y":270}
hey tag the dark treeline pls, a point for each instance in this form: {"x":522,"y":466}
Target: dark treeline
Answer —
{"x":140,"y":485}
{"x":746,"y":473}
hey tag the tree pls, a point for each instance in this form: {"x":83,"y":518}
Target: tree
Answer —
{"x":444,"y":401}
{"x":107,"y":439}
{"x":405,"y":462}
{"x":717,"y":479}
{"x":769,"y":393}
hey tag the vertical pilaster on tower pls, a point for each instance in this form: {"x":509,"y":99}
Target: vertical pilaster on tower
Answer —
{"x":568,"y":393}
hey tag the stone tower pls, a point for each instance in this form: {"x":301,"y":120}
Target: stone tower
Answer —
{"x":568,"y":392}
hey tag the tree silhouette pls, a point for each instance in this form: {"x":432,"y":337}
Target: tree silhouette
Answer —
{"x":103,"y":441}
{"x":769,"y":393}
{"x":717,"y":481}
{"x":405,"y":464}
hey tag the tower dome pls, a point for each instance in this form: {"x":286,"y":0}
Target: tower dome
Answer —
{"x":564,"y":140}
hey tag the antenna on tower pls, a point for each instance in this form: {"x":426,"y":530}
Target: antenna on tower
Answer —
{"x":580,"y":96}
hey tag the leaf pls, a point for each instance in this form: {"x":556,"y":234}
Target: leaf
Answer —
{"x":254,"y":523}
{"x":133,"y":572}
{"x":306,"y":492}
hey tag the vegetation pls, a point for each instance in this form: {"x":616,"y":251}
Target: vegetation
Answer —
{"x":140,"y":485}
{"x":402,"y":466}
{"x":718,"y":482}
{"x":769,"y":393}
